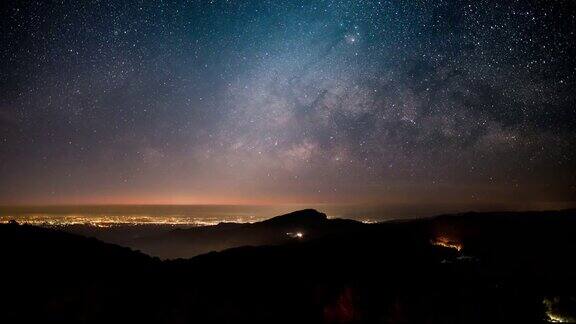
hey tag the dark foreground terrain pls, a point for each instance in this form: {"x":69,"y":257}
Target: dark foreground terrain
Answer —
{"x":468,"y":268}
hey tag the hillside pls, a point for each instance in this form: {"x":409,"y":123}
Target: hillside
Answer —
{"x":467,"y":268}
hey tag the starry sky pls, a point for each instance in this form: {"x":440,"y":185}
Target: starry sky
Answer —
{"x":270,"y":102}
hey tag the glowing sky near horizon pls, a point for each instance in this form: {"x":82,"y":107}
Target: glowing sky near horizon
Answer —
{"x":385,"y":102}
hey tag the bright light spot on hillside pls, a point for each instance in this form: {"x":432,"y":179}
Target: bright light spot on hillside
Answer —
{"x":295,"y":235}
{"x":447,"y":243}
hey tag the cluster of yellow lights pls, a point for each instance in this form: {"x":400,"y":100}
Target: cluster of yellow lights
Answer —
{"x":120,"y":220}
{"x":447,"y":243}
{"x":127,"y":220}
{"x":554,"y":317}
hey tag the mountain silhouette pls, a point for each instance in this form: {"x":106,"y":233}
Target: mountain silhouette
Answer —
{"x":301,"y":217}
{"x":466,"y":268}
{"x":298,"y":226}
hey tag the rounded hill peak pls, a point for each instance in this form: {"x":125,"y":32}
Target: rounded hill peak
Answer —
{"x":305,"y":216}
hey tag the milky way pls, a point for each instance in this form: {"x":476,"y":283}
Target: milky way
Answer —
{"x":412,"y":102}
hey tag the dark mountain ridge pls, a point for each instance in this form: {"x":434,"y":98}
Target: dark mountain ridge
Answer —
{"x":300,"y":225}
{"x":468,"y":268}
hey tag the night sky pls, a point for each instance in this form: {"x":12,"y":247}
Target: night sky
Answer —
{"x":352,"y":102}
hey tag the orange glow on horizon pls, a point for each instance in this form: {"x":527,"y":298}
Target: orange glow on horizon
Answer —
{"x":184,"y":199}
